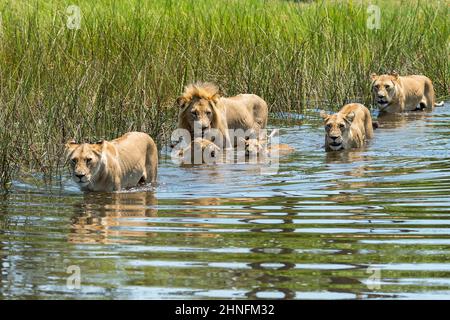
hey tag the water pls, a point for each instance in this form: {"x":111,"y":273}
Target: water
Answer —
{"x":372,"y":223}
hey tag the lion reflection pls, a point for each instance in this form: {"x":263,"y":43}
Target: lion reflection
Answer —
{"x":400,"y":120}
{"x":110,"y":218}
{"x":357,"y":176}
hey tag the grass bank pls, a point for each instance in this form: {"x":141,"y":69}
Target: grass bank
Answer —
{"x":128,"y":61}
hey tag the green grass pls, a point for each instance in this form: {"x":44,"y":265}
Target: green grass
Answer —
{"x":129,"y":61}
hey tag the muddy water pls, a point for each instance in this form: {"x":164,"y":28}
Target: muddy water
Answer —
{"x":371,"y":223}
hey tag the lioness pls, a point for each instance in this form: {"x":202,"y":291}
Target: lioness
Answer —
{"x":394,"y":93}
{"x":202,"y":105}
{"x":348,"y":128}
{"x":114,"y":165}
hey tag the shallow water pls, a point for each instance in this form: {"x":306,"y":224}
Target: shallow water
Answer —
{"x":371,"y":223}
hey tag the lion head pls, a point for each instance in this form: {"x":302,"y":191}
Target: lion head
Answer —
{"x":252,"y":146}
{"x":200,"y":151}
{"x":198,"y":106}
{"x":85,"y":161}
{"x":384,"y":88}
{"x":337,"y":129}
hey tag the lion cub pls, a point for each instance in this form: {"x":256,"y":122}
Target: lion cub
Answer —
{"x":199,"y":151}
{"x":114,"y":165}
{"x":257,"y":147}
{"x":348,"y":128}
{"x":394,"y":93}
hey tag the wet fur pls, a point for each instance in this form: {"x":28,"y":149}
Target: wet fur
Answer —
{"x":114,"y":165}
{"x":352,"y":125}
{"x":244,"y":111}
{"x":395,"y":94}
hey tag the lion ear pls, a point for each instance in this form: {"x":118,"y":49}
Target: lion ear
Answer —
{"x":350,"y":117}
{"x":373,"y":76}
{"x":215,"y":98}
{"x":395,"y":75}
{"x":71,"y":145}
{"x":97,"y":147}
{"x":324,"y":115}
{"x":181,"y":101}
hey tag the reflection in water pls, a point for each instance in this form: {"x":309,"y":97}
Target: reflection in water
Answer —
{"x":270,"y":293}
{"x":314,"y":230}
{"x":347,"y":156}
{"x":107,"y":218}
{"x":399,"y":120}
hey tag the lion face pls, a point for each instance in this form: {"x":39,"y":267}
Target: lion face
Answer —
{"x":84,"y":160}
{"x":383,"y":88}
{"x":200,"y":111}
{"x":197,"y":105}
{"x":337,"y":128}
{"x":200,"y":151}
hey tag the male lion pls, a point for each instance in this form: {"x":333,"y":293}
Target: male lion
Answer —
{"x":114,"y":165}
{"x":394,"y":93}
{"x":202,"y":106}
{"x":348,"y":128}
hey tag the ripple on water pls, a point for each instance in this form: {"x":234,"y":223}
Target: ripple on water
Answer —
{"x":317,"y":230}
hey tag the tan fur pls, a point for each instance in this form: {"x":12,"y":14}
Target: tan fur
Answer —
{"x":195,"y":152}
{"x":261,"y":147}
{"x":202,"y":103}
{"x":111,"y":219}
{"x":348,"y":128}
{"x":394,"y":93}
{"x":114,"y":165}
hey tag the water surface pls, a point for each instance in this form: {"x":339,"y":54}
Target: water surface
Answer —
{"x":371,"y":223}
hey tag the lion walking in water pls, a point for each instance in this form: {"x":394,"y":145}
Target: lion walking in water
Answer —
{"x":114,"y":165}
{"x":349,"y":128}
{"x":201,"y":104}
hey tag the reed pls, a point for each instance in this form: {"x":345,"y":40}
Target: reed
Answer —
{"x":124,"y":67}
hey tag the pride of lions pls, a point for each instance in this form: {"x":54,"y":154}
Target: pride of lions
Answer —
{"x":132,"y":159}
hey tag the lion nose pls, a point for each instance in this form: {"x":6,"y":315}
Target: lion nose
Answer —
{"x":380,"y":96}
{"x":79,"y":176}
{"x":334,"y":137}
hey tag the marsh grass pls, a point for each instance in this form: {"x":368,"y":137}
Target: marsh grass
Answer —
{"x":123,"y":69}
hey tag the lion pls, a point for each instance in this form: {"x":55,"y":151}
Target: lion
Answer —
{"x":349,"y":128}
{"x":264,"y":146}
{"x":396,"y":94}
{"x":202,"y":106}
{"x":199,"y":151}
{"x":108,"y":166}
{"x":257,"y":147}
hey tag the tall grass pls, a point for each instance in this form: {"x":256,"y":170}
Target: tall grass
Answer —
{"x":124,"y":67}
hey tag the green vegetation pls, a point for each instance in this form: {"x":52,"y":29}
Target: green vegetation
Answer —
{"x":124,"y":67}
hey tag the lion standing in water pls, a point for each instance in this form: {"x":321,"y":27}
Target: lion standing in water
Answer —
{"x":348,"y":128}
{"x":201,"y":105}
{"x":395,"y":94}
{"x":114,"y":165}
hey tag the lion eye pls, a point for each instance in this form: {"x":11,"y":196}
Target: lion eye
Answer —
{"x":208,"y":113}
{"x":342,"y":126}
{"x":88,"y":160}
{"x":328,"y":126}
{"x":387,"y":87}
{"x":194,"y":114}
{"x":376,"y":87}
